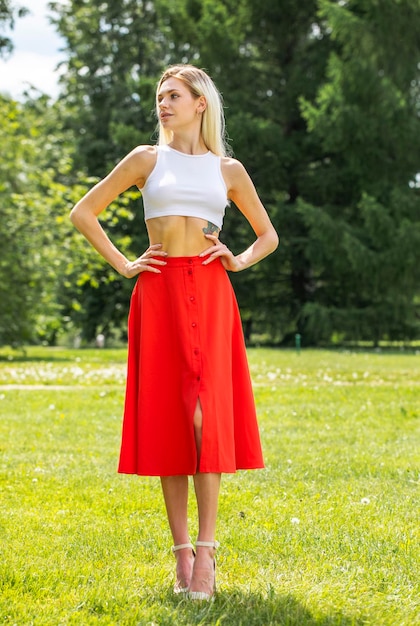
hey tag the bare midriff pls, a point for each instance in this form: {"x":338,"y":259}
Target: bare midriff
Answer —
{"x":181,"y":235}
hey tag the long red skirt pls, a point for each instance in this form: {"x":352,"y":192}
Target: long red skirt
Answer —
{"x":185,"y":343}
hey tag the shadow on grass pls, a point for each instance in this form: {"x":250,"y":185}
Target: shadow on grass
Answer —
{"x":239,"y":608}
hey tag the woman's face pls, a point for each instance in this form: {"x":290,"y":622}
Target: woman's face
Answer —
{"x":177,"y":107}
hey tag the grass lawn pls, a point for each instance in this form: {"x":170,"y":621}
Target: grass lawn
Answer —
{"x":327,"y":534}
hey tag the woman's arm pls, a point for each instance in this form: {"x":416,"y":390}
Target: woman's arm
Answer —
{"x":243,"y":193}
{"x":132,"y":170}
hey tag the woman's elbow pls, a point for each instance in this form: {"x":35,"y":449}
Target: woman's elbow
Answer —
{"x":73,"y":214}
{"x":273,"y":240}
{"x":76,"y":215}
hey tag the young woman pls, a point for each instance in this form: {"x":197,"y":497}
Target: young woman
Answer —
{"x":189,"y":407}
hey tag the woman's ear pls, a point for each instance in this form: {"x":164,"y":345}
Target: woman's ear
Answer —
{"x":202,"y":104}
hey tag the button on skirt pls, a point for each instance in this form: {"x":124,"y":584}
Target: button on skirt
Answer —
{"x":185,"y":343}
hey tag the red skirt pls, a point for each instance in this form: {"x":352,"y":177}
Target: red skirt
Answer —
{"x":185,"y":343}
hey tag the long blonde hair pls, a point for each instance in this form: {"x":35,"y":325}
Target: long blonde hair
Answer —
{"x":213,"y":121}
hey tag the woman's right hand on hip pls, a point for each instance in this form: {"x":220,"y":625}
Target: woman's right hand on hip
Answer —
{"x":146,"y":262}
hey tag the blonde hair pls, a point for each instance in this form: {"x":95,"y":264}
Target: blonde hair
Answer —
{"x":213,"y":121}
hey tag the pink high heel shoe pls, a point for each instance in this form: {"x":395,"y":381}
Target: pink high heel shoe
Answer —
{"x":182,"y":546}
{"x":202,"y":595}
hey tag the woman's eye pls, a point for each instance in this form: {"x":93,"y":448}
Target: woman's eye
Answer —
{"x":174,"y":95}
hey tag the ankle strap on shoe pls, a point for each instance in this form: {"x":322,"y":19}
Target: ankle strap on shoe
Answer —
{"x":181,"y":546}
{"x":207,"y":544}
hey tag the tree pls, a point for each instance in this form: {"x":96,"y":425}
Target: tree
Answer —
{"x":115,"y":51}
{"x":27,"y":226}
{"x":360,"y":204}
{"x":9,"y":12}
{"x":49,"y":275}
{"x":322,"y":104}
{"x":264,"y":57}
{"x":111,"y":80}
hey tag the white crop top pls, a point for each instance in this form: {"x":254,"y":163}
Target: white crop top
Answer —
{"x":185,"y":184}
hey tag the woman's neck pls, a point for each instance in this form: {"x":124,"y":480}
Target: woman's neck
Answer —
{"x":189,"y":144}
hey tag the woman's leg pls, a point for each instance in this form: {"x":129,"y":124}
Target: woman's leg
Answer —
{"x":175,"y":493}
{"x":207,"y":488}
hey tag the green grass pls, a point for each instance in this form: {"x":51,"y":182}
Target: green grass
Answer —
{"x":327,"y":534}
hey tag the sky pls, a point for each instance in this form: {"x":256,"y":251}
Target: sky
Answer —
{"x":35,"y":56}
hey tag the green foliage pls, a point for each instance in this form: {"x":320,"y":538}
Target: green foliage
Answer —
{"x":28,"y":185}
{"x":365,"y":273}
{"x":321,"y":101}
{"x":50,"y":279}
{"x":359,"y":210}
{"x":114,"y":52}
{"x":94,"y":297}
{"x":326,"y":535}
{"x":9,"y":13}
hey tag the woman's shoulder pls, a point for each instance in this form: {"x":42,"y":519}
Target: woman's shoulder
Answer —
{"x":144,"y":152}
{"x":141,"y":156}
{"x":142,"y":160}
{"x":229,"y":164}
{"x":233,"y":171}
